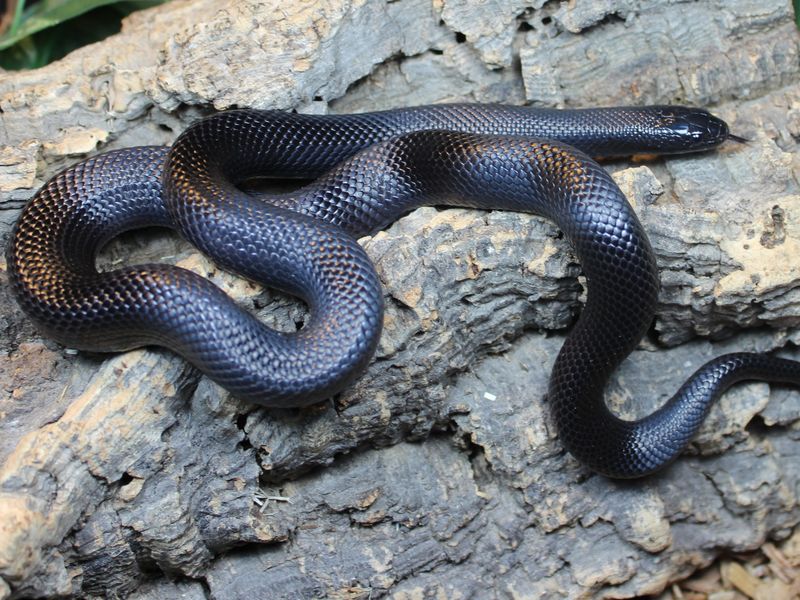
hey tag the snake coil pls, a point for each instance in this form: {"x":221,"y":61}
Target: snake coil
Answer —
{"x":370,"y":169}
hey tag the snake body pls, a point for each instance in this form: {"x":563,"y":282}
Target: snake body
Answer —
{"x":370,"y":169}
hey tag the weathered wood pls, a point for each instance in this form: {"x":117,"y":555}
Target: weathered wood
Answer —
{"x":439,"y":472}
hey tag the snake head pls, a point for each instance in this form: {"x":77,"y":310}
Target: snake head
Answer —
{"x":691,"y":129}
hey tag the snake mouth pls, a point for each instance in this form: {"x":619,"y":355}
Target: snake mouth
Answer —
{"x":717,"y":131}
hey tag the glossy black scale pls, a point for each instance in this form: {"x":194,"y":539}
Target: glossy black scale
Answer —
{"x":370,"y":169}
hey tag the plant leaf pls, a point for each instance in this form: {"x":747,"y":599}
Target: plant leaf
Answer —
{"x":48,"y":13}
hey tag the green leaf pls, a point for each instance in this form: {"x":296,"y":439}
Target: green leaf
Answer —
{"x":48,"y":13}
{"x":17,"y":15}
{"x":796,"y":4}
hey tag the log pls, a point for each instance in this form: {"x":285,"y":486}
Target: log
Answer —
{"x":439,"y":473}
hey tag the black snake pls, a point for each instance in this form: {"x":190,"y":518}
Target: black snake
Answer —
{"x":370,"y":169}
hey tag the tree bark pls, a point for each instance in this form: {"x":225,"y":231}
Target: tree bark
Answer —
{"x":439,"y":473}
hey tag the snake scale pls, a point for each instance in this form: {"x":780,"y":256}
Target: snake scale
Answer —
{"x":367,"y":170}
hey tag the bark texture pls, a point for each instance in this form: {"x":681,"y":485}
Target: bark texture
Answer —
{"x":439,"y":473}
